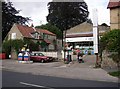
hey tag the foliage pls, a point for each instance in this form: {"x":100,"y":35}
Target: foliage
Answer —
{"x":17,"y":44}
{"x":65,"y":15}
{"x":110,"y":42}
{"x":31,"y":45}
{"x":43,"y":44}
{"x":115,"y":73}
{"x":9,"y":17}
{"x":6,"y":47}
{"x":52,"y":29}
{"x":12,"y":44}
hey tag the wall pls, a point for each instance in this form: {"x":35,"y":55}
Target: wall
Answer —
{"x":107,"y":62}
{"x":115,"y":18}
{"x":14,"y":29}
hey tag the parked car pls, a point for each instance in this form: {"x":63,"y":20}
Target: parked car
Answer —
{"x":40,"y":57}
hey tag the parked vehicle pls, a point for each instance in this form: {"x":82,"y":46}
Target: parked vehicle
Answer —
{"x":40,"y":57}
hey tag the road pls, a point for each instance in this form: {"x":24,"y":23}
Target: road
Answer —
{"x":15,"y":79}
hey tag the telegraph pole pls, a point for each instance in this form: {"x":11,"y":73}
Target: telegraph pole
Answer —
{"x":95,"y":34}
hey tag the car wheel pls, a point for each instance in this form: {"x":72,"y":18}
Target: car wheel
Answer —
{"x":42,"y":61}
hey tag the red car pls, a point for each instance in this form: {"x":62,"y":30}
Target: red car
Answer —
{"x":39,"y":57}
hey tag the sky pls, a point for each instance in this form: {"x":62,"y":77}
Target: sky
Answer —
{"x":38,"y":10}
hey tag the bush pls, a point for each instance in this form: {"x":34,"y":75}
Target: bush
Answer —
{"x":111,"y":41}
{"x":115,"y":73}
{"x":12,"y":44}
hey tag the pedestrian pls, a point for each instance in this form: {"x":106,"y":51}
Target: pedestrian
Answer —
{"x":80,"y":57}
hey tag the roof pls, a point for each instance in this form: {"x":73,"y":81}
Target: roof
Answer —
{"x":47,"y":41}
{"x":83,"y":27}
{"x":45,"y":31}
{"x":25,"y":30}
{"x":114,"y":4}
{"x":79,"y":35}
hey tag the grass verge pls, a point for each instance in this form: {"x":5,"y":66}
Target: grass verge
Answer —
{"x":115,"y":73}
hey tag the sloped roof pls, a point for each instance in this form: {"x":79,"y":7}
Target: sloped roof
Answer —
{"x":45,"y":31}
{"x":84,"y":27}
{"x":25,"y":30}
{"x":113,"y":4}
{"x":47,"y":41}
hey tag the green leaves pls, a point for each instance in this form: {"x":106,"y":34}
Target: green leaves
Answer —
{"x":8,"y":45}
{"x":111,"y":42}
{"x":9,"y":17}
{"x":65,"y":15}
{"x":52,"y":29}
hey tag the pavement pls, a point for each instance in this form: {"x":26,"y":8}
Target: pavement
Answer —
{"x":73,"y":70}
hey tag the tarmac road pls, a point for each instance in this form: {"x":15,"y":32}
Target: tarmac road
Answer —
{"x":15,"y":79}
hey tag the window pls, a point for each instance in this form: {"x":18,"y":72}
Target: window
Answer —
{"x":36,"y":36}
{"x":13,"y":36}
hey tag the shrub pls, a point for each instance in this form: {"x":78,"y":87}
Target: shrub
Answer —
{"x":111,"y":41}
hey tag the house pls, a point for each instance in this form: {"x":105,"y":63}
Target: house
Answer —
{"x":36,"y":35}
{"x":114,"y":7}
{"x":82,"y":34}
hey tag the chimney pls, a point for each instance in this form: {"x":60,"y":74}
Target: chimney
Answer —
{"x":33,"y":27}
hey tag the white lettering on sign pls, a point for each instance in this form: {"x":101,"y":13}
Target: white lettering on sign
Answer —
{"x":79,"y":39}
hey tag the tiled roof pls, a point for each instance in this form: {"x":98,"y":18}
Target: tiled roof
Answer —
{"x":45,"y":31}
{"x":47,"y":41}
{"x":25,"y":30}
{"x":114,"y":4}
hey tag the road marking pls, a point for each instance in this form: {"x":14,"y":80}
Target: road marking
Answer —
{"x":34,"y":85}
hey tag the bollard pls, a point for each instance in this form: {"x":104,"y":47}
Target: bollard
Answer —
{"x":20,"y":56}
{"x":26,"y":56}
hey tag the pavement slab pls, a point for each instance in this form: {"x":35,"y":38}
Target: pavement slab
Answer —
{"x":59,"y":69}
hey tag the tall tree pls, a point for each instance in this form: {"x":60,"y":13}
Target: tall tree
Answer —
{"x":9,"y":17}
{"x":65,"y":15}
{"x":52,"y":29}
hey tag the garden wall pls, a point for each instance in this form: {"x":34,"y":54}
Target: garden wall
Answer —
{"x":107,"y":62}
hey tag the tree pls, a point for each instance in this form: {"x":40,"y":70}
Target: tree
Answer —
{"x":12,"y":44}
{"x":110,"y":41}
{"x":9,"y":17}
{"x":52,"y":29}
{"x":65,"y":15}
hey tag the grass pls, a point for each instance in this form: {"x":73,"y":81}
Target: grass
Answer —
{"x":115,"y":73}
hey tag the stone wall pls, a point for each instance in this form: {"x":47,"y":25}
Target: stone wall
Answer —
{"x":107,"y":62}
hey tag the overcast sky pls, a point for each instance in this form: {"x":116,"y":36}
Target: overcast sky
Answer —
{"x":38,"y":10}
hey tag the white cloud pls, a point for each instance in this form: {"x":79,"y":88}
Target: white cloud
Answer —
{"x":103,"y":12}
{"x":38,"y":10}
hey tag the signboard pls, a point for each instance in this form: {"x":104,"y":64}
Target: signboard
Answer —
{"x":95,"y":17}
{"x":95,"y":30}
{"x":79,"y":39}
